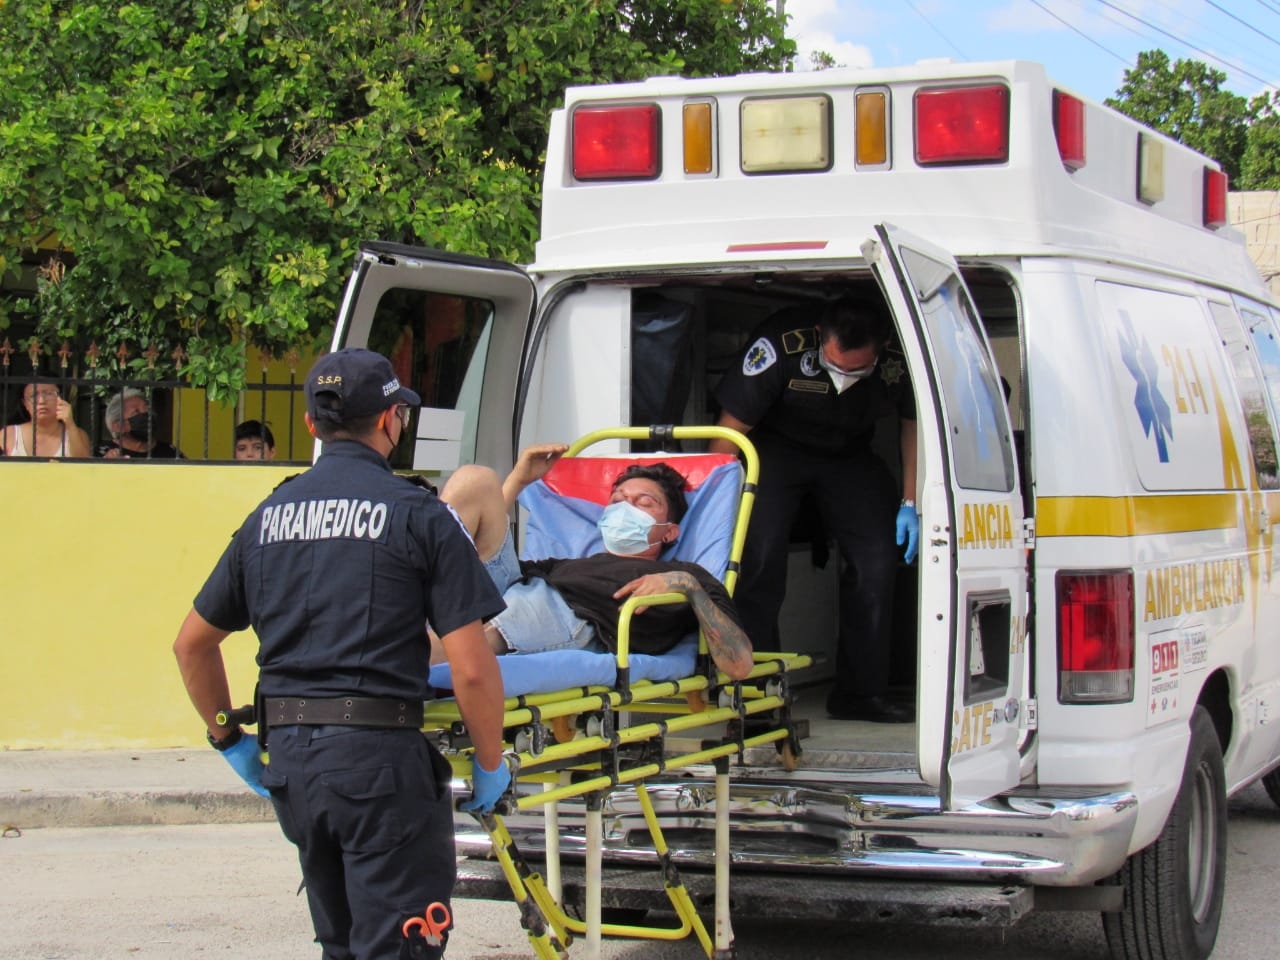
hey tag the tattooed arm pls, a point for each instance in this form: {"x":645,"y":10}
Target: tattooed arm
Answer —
{"x":727,"y":642}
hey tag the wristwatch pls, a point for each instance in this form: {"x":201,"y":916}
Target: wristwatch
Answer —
{"x":227,"y":742}
{"x":909,"y":503}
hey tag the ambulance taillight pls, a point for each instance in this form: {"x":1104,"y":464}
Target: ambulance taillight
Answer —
{"x":1068,"y":129}
{"x":1215,"y":198}
{"x":957,"y":125}
{"x":1095,"y":636}
{"x":618,"y":142}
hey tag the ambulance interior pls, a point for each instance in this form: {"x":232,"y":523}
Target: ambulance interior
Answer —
{"x":684,"y":335}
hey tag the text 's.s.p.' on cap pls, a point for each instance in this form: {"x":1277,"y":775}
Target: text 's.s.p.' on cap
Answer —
{"x":354,"y":383}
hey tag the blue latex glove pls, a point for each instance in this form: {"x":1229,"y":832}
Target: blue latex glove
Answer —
{"x":247,"y":761}
{"x":487,"y":787}
{"x":908,"y":531}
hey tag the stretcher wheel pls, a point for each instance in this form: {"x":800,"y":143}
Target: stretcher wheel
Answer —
{"x":561,"y":729}
{"x":789,"y":759}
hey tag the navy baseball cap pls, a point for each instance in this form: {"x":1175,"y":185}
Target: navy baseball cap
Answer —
{"x":362,"y":380}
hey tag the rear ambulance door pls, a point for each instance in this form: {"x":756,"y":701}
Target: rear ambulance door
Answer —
{"x":973,"y":563}
{"x":454,"y":328}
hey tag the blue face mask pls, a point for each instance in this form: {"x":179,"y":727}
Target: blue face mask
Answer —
{"x":625,"y":529}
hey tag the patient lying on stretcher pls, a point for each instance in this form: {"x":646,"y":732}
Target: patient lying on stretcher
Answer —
{"x":573,"y":603}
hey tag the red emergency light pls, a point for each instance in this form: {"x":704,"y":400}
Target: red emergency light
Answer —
{"x":957,"y":125}
{"x":1095,"y":636}
{"x":1068,"y":128}
{"x":619,"y":142}
{"x":1215,"y":198}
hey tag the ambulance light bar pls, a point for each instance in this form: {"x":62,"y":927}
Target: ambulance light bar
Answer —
{"x":1215,"y":198}
{"x":618,"y":142}
{"x":785,"y":134}
{"x":1095,"y":636}
{"x":1068,"y":128}
{"x":962,"y":125}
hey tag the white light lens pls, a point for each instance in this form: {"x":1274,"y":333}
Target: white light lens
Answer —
{"x":786,"y":134}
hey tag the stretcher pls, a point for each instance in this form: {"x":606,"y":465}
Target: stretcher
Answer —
{"x":577,"y":725}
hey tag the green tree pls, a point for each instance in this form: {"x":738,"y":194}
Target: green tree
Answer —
{"x":212,"y":164}
{"x":1185,"y":99}
{"x":1260,"y":166}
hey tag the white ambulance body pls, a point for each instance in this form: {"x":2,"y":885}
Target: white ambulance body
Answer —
{"x":1090,"y":631}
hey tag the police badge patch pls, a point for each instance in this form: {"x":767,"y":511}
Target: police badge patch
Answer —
{"x":809,"y":363}
{"x":759,"y":358}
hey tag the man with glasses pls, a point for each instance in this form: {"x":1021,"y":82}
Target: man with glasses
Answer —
{"x":338,"y":571}
{"x":810,"y":396}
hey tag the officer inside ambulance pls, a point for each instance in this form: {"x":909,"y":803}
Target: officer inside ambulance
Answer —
{"x":337,"y":571}
{"x":810,"y":397}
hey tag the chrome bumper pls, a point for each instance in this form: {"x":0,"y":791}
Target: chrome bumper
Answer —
{"x":823,"y":824}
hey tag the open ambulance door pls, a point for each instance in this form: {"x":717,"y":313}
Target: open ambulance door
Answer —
{"x":972,"y":559}
{"x":454,"y":328}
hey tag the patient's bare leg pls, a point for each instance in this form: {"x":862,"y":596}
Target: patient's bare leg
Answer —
{"x":475,"y":493}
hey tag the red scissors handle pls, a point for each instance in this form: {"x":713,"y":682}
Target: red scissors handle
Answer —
{"x":433,"y":924}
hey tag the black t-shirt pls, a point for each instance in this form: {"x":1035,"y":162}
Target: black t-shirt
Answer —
{"x":589,"y":583}
{"x":161,"y":451}
{"x":339,"y":571}
{"x":780,"y":388}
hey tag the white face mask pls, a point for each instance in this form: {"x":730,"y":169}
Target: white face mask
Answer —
{"x":625,"y":529}
{"x":842,"y":380}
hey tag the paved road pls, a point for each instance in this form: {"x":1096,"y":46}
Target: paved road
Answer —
{"x":227,"y":892}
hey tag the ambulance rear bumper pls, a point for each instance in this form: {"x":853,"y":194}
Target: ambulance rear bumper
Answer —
{"x":1026,"y":837}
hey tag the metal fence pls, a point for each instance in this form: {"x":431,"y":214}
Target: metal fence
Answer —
{"x":182,"y":413}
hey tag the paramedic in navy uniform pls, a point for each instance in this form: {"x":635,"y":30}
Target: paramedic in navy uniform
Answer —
{"x":338,"y":572}
{"x":810,"y":397}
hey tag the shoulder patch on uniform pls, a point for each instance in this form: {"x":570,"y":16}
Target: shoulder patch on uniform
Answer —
{"x":891,"y":370}
{"x":760,"y":356}
{"x":292,"y":476}
{"x":796,"y":341}
{"x":809,"y":386}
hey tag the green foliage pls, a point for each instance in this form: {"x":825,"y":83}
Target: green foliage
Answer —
{"x":212,"y":164}
{"x":1185,"y":99}
{"x":1260,"y":167}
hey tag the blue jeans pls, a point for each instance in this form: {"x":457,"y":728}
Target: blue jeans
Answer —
{"x":537,"y":618}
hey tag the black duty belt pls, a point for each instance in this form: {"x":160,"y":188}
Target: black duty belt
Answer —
{"x":346,"y":711}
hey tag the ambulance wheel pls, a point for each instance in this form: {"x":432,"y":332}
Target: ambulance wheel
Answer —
{"x":1272,"y":784}
{"x":1173,"y":888}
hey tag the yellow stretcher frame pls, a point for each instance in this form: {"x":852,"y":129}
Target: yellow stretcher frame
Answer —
{"x":574,"y":743}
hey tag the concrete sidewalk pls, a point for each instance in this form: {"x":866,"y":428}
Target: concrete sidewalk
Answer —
{"x":96,"y":788}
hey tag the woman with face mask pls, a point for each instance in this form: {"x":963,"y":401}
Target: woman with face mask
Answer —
{"x":52,"y":430}
{"x":134,"y":430}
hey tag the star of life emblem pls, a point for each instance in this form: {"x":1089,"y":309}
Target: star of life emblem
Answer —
{"x":759,"y":357}
{"x":891,"y":371}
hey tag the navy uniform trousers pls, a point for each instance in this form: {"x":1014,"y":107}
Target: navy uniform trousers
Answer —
{"x":371,"y":815}
{"x":858,"y":500}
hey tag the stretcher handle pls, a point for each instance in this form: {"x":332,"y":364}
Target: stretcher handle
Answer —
{"x":245,"y":715}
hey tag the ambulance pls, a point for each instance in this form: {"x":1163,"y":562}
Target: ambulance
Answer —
{"x":1090,"y":635}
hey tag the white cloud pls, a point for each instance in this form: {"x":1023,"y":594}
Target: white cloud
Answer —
{"x":815,"y":24}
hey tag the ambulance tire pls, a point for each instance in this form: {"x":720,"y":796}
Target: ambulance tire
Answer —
{"x":1271,"y":782}
{"x":1173,"y":888}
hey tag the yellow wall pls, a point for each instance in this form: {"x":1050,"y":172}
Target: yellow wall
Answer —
{"x":99,"y":563}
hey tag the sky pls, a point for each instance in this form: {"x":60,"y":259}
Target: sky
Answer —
{"x":1085,"y":45}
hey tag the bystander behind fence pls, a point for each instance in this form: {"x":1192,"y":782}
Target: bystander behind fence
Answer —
{"x":183,"y":414}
